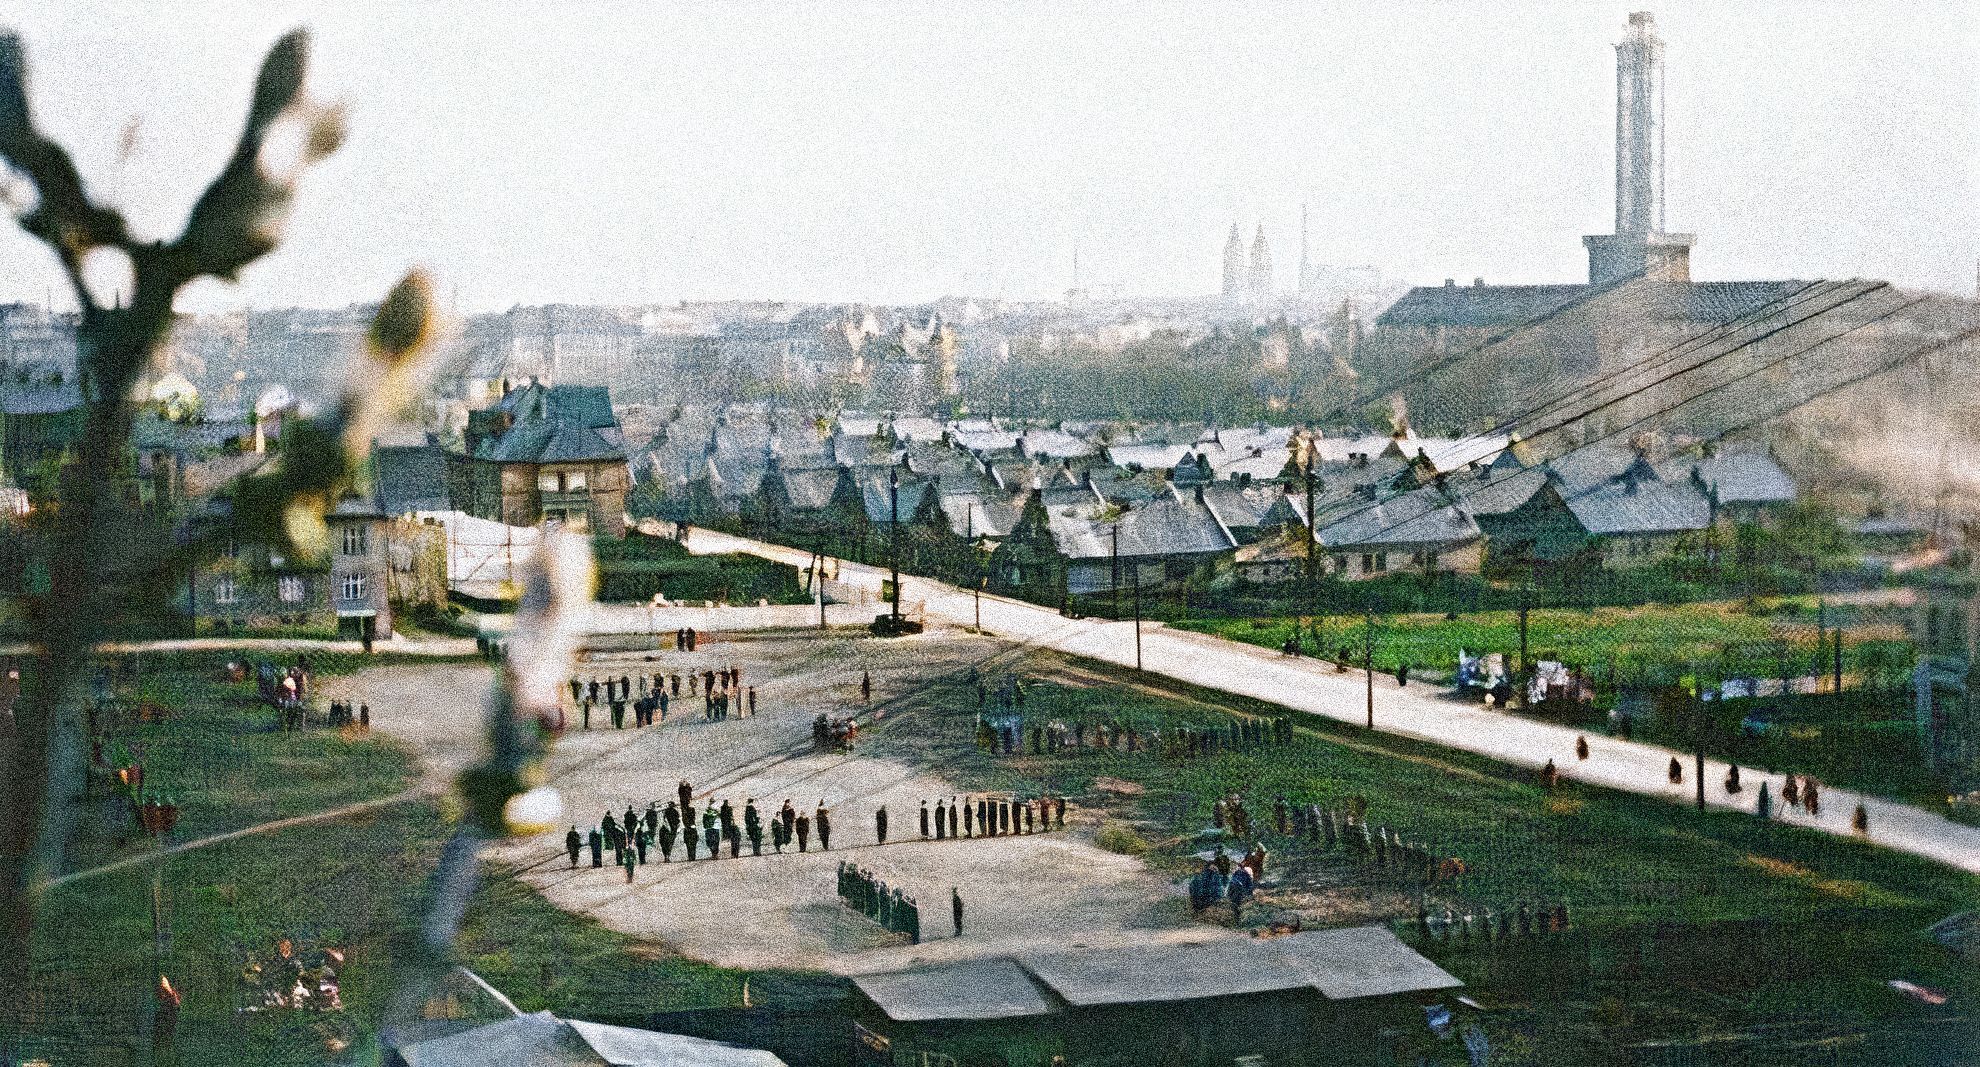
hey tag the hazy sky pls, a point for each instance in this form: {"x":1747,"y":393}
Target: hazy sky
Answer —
{"x":898,"y":152}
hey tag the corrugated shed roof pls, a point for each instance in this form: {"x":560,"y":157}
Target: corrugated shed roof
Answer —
{"x":968,"y":989}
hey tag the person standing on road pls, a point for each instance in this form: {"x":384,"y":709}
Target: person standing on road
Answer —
{"x":1581,"y":748}
{"x":752,"y":701}
{"x":956,"y":908}
{"x":880,"y":824}
{"x":626,"y":860}
{"x":804,"y":833}
{"x":952,"y":817}
{"x":596,"y":842}
{"x":941,"y":820}
{"x":823,"y":820}
{"x":969,"y":820}
{"x":789,"y":817}
{"x":866,"y":687}
{"x":666,"y":835}
{"x":690,"y":836}
{"x":924,"y":819}
{"x":573,"y":844}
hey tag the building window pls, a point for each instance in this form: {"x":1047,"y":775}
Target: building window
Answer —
{"x":1381,"y":562}
{"x":1367,"y":563}
{"x":1340,"y":563}
{"x":355,"y":541}
{"x":225,"y":591}
{"x":549,"y":482}
{"x":574,"y":482}
{"x":353,"y":587}
{"x":291,"y":589}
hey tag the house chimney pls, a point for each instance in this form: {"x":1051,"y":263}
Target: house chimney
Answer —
{"x":1478,"y":283}
{"x":1450,"y":283}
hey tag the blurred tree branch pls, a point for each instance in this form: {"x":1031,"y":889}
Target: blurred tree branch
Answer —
{"x":236,"y":220}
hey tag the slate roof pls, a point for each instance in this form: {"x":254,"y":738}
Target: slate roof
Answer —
{"x":875,"y":494}
{"x":1148,"y":457}
{"x":552,"y":424}
{"x":1173,"y":525}
{"x":1244,"y":507}
{"x":1634,"y":505}
{"x":151,"y":432}
{"x":410,"y":478}
{"x":1745,"y":476}
{"x":541,"y":1039}
{"x":1477,"y":305}
{"x":1497,"y":493}
{"x":968,"y":989}
{"x":981,"y":515}
{"x":1423,"y":517}
{"x":810,"y":488}
{"x":1056,"y":444}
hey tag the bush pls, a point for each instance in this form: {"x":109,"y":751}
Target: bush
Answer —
{"x":1119,"y":837}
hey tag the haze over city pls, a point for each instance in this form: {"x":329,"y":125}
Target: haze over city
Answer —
{"x":629,"y":154}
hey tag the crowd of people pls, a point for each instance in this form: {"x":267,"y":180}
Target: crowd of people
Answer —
{"x":651,"y":699}
{"x":1007,"y":735}
{"x":630,"y":836}
{"x":341,"y":715}
{"x":867,"y":894}
{"x":1222,"y":879}
{"x":984,"y":816}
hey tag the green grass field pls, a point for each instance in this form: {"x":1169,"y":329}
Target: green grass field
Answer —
{"x":1649,"y":644}
{"x":1637,"y":872}
{"x":352,"y":883}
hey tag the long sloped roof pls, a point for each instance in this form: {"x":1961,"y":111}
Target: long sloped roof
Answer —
{"x":1477,"y":305}
{"x":1425,"y":516}
{"x":540,"y":1039}
{"x":555,"y":424}
{"x":968,"y":989}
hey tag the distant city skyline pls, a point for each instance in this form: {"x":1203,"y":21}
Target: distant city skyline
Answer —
{"x":896,"y":154}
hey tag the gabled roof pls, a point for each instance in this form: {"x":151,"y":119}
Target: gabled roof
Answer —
{"x":1245,"y":507}
{"x":1424,"y":517}
{"x":1174,"y":525}
{"x":549,"y":424}
{"x":1148,"y":457}
{"x":1744,"y":476}
{"x":980,"y":514}
{"x":810,"y":489}
{"x":1635,"y":505}
{"x":875,"y":494}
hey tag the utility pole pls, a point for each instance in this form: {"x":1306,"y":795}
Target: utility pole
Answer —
{"x":1137,"y":618}
{"x":894,"y":534}
{"x":1839,"y":661}
{"x":1519,"y":675}
{"x":1698,"y":738}
{"x":1115,"y":569}
{"x":818,"y":579}
{"x":1312,"y":535}
{"x":1368,"y":661}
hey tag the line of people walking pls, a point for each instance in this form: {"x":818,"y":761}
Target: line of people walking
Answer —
{"x":982,"y":816}
{"x":630,"y":835}
{"x":723,"y":696}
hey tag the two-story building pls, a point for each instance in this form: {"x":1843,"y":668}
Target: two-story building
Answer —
{"x":544,"y":454}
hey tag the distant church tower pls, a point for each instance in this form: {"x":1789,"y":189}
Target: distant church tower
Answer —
{"x":1234,"y":264}
{"x":1639,"y":245}
{"x":1261,"y":264}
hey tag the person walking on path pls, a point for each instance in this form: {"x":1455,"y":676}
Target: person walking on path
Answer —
{"x":956,"y":908}
{"x":666,"y":835}
{"x":880,"y":824}
{"x":1791,"y":792}
{"x":1676,"y":772}
{"x":685,"y":792}
{"x":1581,"y":748}
{"x":804,"y":833}
{"x":1860,"y":822}
{"x":711,"y":832}
{"x":1811,"y":799}
{"x":626,"y":861}
{"x":573,"y":844}
{"x":1732,"y":780}
{"x":596,"y":843}
{"x":866,"y":687}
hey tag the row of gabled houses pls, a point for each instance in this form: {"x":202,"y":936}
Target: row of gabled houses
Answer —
{"x":1083,"y":510}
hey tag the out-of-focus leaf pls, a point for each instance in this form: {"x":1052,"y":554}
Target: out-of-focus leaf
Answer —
{"x":280,"y":80}
{"x":405,"y":320}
